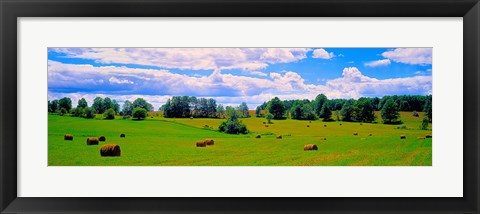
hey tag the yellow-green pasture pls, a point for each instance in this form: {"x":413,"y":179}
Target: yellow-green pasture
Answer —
{"x":158,"y":141}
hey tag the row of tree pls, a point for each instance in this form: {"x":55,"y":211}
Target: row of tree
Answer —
{"x":190,"y":106}
{"x":361,"y":110}
{"x":106,"y":106}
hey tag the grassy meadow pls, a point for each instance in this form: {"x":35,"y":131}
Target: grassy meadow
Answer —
{"x":158,"y":141}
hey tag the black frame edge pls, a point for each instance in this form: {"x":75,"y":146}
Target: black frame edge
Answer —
{"x":8,"y":109}
{"x":10,"y":10}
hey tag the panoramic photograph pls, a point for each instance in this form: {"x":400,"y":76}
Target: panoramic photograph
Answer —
{"x":314,"y":106}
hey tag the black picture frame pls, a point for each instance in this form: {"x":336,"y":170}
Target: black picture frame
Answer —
{"x":10,"y":10}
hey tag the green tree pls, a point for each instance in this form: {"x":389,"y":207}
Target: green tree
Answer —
{"x":63,"y":111}
{"x":65,"y":103}
{"x":141,"y":103}
{"x":109,"y":114}
{"x":233,"y":125}
{"x":276,"y":108}
{"x":364,"y":110}
{"x":269,"y":117}
{"x":98,"y":105}
{"x":79,"y":112}
{"x":116,"y":106}
{"x":139,"y":113}
{"x":389,"y":112}
{"x":347,"y":110}
{"x":220,"y":111}
{"x":89,"y":113}
{"x":424,"y":125}
{"x":325,"y":113}
{"x":107,"y":103}
{"x":82,"y":103}
{"x":127,"y":108}
{"x":258,"y":112}
{"x":243,"y":108}
{"x":318,"y":103}
{"x":428,"y":107}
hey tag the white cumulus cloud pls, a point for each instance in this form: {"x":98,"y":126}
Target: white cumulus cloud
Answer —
{"x":413,"y":56}
{"x":190,"y":58}
{"x":118,"y":81}
{"x":322,"y":54}
{"x":382,"y":62}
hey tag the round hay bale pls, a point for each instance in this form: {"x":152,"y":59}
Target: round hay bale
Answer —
{"x":102,"y":138}
{"x":92,"y":141}
{"x":122,"y":135}
{"x":258,"y":136}
{"x":310,"y":147}
{"x":68,"y":137}
{"x":209,"y":142}
{"x":428,"y":136}
{"x":323,"y":138}
{"x":201,"y":143}
{"x":420,"y":138}
{"x":279,"y":137}
{"x":110,"y":150}
{"x":403,"y":137}
{"x":355,"y":133}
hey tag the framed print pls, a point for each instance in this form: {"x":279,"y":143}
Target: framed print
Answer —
{"x":226,"y":106}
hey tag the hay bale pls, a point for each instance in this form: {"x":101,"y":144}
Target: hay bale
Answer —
{"x":363,"y":138}
{"x":122,"y":135}
{"x":110,"y":150}
{"x":101,"y":138}
{"x":92,"y":141}
{"x":201,"y":143}
{"x":420,"y":138}
{"x":355,"y":133}
{"x":266,"y":125}
{"x":209,"y":142}
{"x":323,"y":138}
{"x":310,"y":147}
{"x":428,"y":136}
{"x":279,"y":137}
{"x":403,"y":137}
{"x":258,"y":136}
{"x":68,"y":137}
{"x":308,"y":126}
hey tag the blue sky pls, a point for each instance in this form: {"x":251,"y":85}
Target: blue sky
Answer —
{"x":235,"y":75}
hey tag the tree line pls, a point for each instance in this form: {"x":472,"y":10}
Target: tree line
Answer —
{"x":360,"y":110}
{"x":106,"y":106}
{"x":191,"y":106}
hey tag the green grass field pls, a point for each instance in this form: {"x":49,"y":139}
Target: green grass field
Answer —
{"x":160,"y":141}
